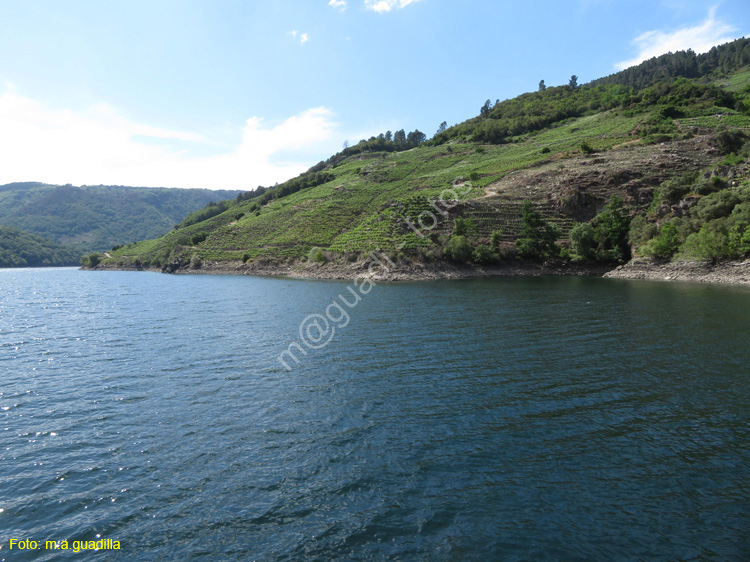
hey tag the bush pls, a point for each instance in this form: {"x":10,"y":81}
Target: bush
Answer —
{"x":474,"y":176}
{"x":182,"y":240}
{"x":582,"y":241}
{"x":91,"y":260}
{"x":612,"y":227}
{"x":716,"y":205}
{"x":464,"y":227}
{"x":317,"y":256}
{"x":483,"y":254}
{"x":710,"y":243}
{"x":198,"y":237}
{"x":195,"y":262}
{"x":666,"y":244}
{"x":496,"y":238}
{"x":586,"y":148}
{"x":730,"y":141}
{"x":641,"y":231}
{"x":458,"y":249}
{"x":538,"y":237}
{"x":545,"y":150}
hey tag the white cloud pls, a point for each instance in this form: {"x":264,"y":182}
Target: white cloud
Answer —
{"x":700,"y":38}
{"x":99,"y":146}
{"x":303,"y":37}
{"x":383,"y":6}
{"x":341,"y":4}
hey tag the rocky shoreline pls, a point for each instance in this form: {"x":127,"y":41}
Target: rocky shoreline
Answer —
{"x":733,"y":273}
{"x":380,"y":268}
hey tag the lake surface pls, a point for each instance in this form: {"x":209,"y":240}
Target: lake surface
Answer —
{"x":494,"y":419}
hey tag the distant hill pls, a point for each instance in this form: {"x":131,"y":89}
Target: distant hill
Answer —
{"x":652,"y":161}
{"x":95,"y":218}
{"x":21,"y":249}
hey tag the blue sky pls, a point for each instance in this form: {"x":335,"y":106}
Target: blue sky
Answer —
{"x":240,"y":93}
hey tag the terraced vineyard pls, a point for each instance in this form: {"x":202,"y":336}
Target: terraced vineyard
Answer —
{"x":408,"y":202}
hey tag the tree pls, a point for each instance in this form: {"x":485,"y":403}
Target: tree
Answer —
{"x":612,"y":227}
{"x":582,"y":240}
{"x":464,"y":227}
{"x":399,"y":137}
{"x":573,"y":81}
{"x":542,"y":86}
{"x":346,"y":144}
{"x":459,"y":249}
{"x":388,"y":136}
{"x":496,"y":238}
{"x":441,"y":129}
{"x":415,"y":138}
{"x":538,"y":237}
{"x":485,"y":110}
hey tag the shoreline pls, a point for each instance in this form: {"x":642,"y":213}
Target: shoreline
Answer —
{"x":727,"y":273}
{"x":384,"y":272}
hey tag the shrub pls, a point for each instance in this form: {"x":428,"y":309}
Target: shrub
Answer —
{"x":730,"y":141}
{"x":716,"y":205}
{"x":710,"y":243}
{"x":582,"y":241}
{"x":474,"y":176}
{"x":91,"y":260}
{"x":674,"y":189}
{"x":739,"y":240}
{"x":464,"y":227}
{"x":545,"y":150}
{"x":586,"y":148}
{"x":483,"y":254}
{"x":198,"y":237}
{"x":641,"y":231}
{"x":195,"y":262}
{"x":317,"y":256}
{"x":458,"y":249}
{"x":612,"y":227}
{"x":496,"y":238}
{"x":666,"y":243}
{"x":182,"y":240}
{"x":538,"y":237}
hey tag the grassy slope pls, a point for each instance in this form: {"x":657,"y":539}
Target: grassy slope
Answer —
{"x":372,"y":196}
{"x":381,"y":190}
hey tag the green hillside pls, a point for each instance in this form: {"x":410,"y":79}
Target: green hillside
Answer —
{"x":98,"y":217}
{"x":21,"y":249}
{"x":645,"y":162}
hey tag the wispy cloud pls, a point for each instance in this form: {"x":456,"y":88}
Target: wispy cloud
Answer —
{"x":700,"y":38}
{"x":100,"y":146}
{"x":303,"y":37}
{"x":340,"y":4}
{"x":384,"y":6}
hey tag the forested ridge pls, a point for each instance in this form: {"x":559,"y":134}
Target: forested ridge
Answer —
{"x":21,"y":249}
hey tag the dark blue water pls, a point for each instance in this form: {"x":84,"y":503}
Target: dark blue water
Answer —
{"x":505,"y":419}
